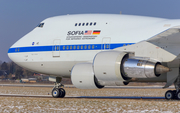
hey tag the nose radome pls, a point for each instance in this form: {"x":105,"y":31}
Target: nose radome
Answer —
{"x":12,"y":52}
{"x":15,"y":56}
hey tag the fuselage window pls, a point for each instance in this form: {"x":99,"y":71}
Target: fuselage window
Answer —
{"x":77,"y":47}
{"x":124,"y":44}
{"x":89,"y":47}
{"x":16,"y":49}
{"x":107,"y":46}
{"x":81,"y":47}
{"x":81,"y":24}
{"x":70,"y":47}
{"x":92,"y":46}
{"x":74,"y":47}
{"x":67,"y":47}
{"x":57,"y":48}
{"x":85,"y":47}
{"x":63,"y":47}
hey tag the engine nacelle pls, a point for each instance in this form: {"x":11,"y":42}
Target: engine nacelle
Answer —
{"x":82,"y":77}
{"x":107,"y":66}
{"x":113,"y":68}
{"x":117,"y":66}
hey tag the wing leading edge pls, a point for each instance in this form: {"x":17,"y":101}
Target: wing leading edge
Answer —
{"x":168,"y":40}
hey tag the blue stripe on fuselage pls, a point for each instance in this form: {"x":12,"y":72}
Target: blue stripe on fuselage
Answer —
{"x":67,"y":47}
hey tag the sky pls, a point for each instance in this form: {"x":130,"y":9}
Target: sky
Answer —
{"x":18,"y":17}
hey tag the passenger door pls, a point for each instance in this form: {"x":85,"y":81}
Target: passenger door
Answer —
{"x":56,"y":48}
{"x":105,"y":43}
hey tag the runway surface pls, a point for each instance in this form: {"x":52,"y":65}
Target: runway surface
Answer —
{"x":82,"y":97}
{"x":121,"y":99}
{"x":71,"y":86}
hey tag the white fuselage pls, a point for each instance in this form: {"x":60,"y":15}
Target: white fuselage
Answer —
{"x":62,"y":42}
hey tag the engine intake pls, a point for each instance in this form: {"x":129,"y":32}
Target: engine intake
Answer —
{"x":82,"y":77}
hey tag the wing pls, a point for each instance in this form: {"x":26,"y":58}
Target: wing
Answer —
{"x":170,"y":36}
{"x":168,"y":40}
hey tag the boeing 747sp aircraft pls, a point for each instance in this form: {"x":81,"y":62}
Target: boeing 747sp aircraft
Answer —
{"x":96,"y":50}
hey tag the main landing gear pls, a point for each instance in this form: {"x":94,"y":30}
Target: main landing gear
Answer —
{"x":174,"y":94}
{"x":57,"y":91}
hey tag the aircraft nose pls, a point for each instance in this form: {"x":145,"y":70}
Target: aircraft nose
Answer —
{"x":10,"y":54}
{"x":14,"y":51}
{"x":13,"y":54}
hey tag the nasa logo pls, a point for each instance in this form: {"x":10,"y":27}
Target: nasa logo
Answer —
{"x":75,"y":33}
{"x":32,"y":43}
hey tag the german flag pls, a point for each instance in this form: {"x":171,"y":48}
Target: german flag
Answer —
{"x":96,"y":32}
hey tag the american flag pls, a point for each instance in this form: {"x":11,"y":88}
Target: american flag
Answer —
{"x":88,"y":32}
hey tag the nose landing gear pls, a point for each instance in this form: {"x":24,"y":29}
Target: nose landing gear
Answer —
{"x":57,"y":91}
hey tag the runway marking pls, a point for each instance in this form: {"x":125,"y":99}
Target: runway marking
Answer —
{"x":120,"y":97}
{"x":71,"y":86}
{"x":22,"y":95}
{"x":83,"y":97}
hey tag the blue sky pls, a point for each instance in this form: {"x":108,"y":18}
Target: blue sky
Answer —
{"x":18,"y":17}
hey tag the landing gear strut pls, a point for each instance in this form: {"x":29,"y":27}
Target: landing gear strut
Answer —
{"x":57,"y":91}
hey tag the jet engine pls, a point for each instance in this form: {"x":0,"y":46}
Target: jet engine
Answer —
{"x":114,"y":65}
{"x":113,"y":68}
{"x":82,"y":77}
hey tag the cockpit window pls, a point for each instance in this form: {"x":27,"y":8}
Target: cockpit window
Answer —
{"x":41,"y":25}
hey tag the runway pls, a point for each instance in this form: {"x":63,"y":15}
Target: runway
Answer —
{"x":71,"y":86}
{"x":82,"y":97}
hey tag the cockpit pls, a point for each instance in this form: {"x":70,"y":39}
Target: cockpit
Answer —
{"x":40,"y":25}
